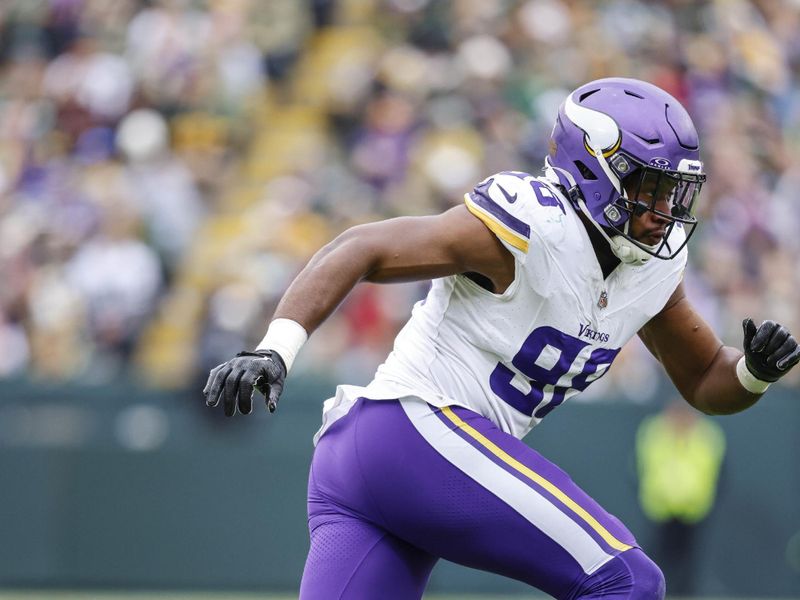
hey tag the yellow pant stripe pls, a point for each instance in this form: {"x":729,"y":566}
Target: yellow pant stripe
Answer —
{"x":535,"y":477}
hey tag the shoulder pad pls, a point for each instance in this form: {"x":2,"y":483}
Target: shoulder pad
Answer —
{"x":509,"y":202}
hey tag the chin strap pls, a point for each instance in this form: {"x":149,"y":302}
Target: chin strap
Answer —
{"x":624,"y":249}
{"x":628,"y":252}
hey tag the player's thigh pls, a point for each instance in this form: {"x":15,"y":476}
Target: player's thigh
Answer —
{"x":451,"y":482}
{"x":352,"y":559}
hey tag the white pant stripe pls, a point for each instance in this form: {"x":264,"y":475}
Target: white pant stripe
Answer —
{"x":527,"y":501}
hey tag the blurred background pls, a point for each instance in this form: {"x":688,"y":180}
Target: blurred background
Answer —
{"x":167,"y":167}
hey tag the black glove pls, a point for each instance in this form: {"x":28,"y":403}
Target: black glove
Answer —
{"x":235,"y":380}
{"x":769,"y":351}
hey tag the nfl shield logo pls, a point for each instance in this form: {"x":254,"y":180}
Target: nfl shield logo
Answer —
{"x":602,"y":302}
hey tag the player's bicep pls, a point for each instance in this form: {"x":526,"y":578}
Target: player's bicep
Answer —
{"x":683,"y":342}
{"x":411,"y":248}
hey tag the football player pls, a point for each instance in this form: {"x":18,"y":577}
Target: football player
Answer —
{"x":537,"y":284}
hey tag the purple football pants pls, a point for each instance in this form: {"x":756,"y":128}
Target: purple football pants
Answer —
{"x":396,"y":485}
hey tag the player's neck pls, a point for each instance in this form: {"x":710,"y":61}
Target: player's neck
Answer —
{"x":605,"y":257}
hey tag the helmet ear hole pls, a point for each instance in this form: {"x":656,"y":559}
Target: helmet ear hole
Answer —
{"x":585,"y":171}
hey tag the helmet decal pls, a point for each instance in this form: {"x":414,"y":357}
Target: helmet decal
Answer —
{"x":601,"y":133}
{"x":662,"y":163}
{"x":690,"y":166}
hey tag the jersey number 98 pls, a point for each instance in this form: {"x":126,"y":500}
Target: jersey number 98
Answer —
{"x":554,"y":363}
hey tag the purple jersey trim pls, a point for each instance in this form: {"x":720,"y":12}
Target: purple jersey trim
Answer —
{"x":480,"y":197}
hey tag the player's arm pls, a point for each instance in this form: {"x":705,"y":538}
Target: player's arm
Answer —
{"x":402,"y":249}
{"x":713,"y":377}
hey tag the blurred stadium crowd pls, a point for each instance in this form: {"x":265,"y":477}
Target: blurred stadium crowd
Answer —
{"x":167,"y":166}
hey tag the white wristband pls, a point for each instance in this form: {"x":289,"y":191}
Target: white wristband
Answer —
{"x":285,"y":337}
{"x":750,"y":382}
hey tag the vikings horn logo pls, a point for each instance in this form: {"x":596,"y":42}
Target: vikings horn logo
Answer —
{"x":601,"y":134}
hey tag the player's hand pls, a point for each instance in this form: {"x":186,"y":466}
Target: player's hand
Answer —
{"x":769,"y":350}
{"x":233,"y":382}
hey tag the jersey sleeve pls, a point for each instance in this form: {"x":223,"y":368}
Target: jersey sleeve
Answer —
{"x":510,"y":203}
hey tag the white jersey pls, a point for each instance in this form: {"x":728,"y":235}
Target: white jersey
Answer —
{"x":514,"y":357}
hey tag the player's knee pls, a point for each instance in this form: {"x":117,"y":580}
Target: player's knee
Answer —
{"x":648,"y":580}
{"x":631,"y":575}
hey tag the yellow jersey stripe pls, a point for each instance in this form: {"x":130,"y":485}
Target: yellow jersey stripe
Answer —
{"x":535,"y":477}
{"x":496,"y":226}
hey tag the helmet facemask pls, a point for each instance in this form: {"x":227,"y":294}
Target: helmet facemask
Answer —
{"x":669,"y":195}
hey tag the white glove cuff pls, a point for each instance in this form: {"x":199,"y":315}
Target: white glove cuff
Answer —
{"x":750,"y":382}
{"x":285,"y":337}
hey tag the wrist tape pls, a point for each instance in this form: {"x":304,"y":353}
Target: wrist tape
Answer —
{"x":285,"y":337}
{"x":750,"y":382}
